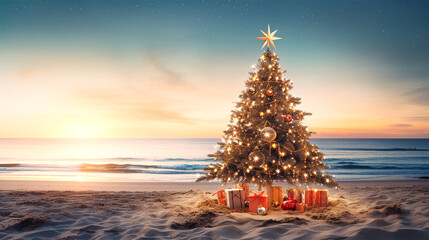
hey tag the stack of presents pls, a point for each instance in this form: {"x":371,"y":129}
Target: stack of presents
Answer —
{"x":273,"y":198}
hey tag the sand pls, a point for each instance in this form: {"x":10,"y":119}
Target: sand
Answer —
{"x":359,"y":210}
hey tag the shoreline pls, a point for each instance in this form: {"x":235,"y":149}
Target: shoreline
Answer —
{"x":27,"y":185}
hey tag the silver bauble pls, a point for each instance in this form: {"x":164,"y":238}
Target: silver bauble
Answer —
{"x":261,"y":210}
{"x":268,"y":134}
{"x":256,"y":158}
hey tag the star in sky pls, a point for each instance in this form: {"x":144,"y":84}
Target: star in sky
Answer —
{"x":268,"y":38}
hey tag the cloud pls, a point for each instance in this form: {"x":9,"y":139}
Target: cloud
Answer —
{"x":419,"y":96}
{"x":153,"y":70}
{"x":418,"y":119}
{"x":401,"y":125}
{"x":133,"y":105}
{"x":151,"y":92}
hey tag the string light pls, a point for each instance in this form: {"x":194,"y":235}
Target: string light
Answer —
{"x":267,"y":95}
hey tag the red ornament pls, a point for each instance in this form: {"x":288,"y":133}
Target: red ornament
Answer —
{"x":288,"y":118}
{"x":289,"y":205}
{"x":270,"y":92}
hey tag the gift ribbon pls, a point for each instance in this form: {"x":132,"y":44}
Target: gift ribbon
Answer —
{"x":217,"y":192}
{"x":233,"y":195}
{"x":258,"y":195}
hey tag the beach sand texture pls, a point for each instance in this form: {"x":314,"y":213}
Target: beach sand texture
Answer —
{"x":357,"y":211}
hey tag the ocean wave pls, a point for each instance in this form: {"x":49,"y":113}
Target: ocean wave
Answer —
{"x":357,"y":166}
{"x":407,"y":158}
{"x":135,"y":168}
{"x":10,"y":165}
{"x":124,"y":159}
{"x":184,"y":159}
{"x":376,"y":149}
{"x":380,"y":166}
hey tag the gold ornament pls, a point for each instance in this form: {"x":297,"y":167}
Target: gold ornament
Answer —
{"x":270,"y":92}
{"x":268,"y":38}
{"x":275,"y":204}
{"x":268,"y":134}
{"x":256,"y":158}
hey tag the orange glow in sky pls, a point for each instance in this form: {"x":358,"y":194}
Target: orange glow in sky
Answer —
{"x":98,"y":97}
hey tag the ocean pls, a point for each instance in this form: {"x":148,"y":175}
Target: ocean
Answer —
{"x":164,"y":160}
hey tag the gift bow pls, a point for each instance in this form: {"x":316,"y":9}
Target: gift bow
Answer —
{"x":258,"y":195}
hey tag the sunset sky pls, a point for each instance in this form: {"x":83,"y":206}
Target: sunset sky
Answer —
{"x":174,"y":68}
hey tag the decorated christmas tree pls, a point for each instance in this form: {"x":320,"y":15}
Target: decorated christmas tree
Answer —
{"x":266,"y":140}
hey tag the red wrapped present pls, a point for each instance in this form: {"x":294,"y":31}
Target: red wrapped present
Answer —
{"x":257,"y":200}
{"x":289,"y":205}
{"x":246,"y":188}
{"x":295,"y":194}
{"x":221,"y":197}
{"x":310,"y":197}
{"x":301,"y":207}
{"x":321,"y":199}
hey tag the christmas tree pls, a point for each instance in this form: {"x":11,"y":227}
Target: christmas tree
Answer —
{"x":266,"y":141}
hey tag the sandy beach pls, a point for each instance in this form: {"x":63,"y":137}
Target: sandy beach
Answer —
{"x":359,"y":210}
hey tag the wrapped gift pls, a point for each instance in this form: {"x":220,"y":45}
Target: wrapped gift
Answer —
{"x":277,"y":194}
{"x":321,"y":199}
{"x":289,"y":205}
{"x":257,"y":200}
{"x":295,"y":194}
{"x":246,"y":188}
{"x":234,"y":198}
{"x":301,"y":207}
{"x":310,"y":197}
{"x":221,"y":197}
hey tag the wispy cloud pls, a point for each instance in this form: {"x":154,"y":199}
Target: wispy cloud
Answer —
{"x":152,"y":93}
{"x":400,"y":125}
{"x":418,"y":118}
{"x":419,"y":96}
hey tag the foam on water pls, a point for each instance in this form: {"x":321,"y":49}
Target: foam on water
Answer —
{"x":184,"y":159}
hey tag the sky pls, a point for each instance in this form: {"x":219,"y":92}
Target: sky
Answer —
{"x":175,"y":68}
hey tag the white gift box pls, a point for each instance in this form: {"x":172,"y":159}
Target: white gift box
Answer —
{"x":235,"y":198}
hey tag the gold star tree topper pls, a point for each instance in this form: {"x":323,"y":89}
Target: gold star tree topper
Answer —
{"x":268,"y":38}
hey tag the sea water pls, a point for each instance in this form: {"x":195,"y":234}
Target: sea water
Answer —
{"x":143,"y":159}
